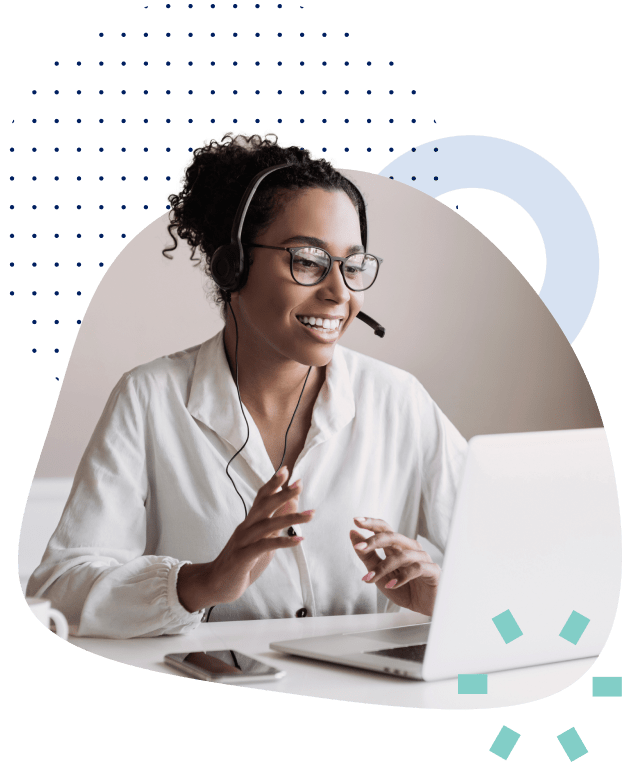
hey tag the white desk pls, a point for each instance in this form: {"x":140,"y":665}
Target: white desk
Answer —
{"x":330,"y":681}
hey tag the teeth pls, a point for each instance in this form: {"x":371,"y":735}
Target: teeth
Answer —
{"x":318,"y":323}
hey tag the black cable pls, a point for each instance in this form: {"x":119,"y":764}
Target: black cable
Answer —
{"x":243,"y":414}
{"x":291,"y":422}
{"x":248,"y":430}
{"x":244,"y":506}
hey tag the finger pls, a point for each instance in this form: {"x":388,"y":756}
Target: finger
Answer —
{"x":370,"y":559}
{"x":289,"y":506}
{"x":283,"y":502}
{"x":431,"y":571}
{"x":273,"y":525}
{"x":281,"y":476}
{"x":357,"y":538}
{"x":385,"y":540}
{"x":393,"y":564}
{"x":267,"y":505}
{"x":268,"y":545}
{"x":274,"y":484}
{"x":372,"y":524}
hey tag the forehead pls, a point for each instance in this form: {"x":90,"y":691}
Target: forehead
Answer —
{"x":329,"y":216}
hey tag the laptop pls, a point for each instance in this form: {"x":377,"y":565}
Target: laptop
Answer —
{"x":534,"y":552}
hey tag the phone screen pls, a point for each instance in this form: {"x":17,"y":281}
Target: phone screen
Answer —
{"x":225,"y":662}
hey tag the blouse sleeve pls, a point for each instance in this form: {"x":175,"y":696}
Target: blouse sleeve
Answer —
{"x":442,"y":455}
{"x":94,"y":569}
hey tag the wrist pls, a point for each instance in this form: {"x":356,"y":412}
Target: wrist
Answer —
{"x":193,"y":588}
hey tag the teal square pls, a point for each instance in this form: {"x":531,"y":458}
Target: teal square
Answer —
{"x":472,"y":683}
{"x":607,"y":686}
{"x":507,"y":626}
{"x":572,"y":744}
{"x":504,"y":742}
{"x":574,"y":627}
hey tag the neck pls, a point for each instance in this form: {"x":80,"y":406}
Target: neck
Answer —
{"x":270,"y":385}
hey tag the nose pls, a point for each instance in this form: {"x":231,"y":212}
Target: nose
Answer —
{"x":333,"y":287}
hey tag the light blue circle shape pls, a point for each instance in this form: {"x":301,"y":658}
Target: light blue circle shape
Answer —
{"x":571,"y":277}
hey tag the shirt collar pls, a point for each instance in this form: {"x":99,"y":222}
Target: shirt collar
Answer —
{"x":213,"y":399}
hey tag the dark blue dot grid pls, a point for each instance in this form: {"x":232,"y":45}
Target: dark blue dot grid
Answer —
{"x":110,"y":141}
{"x":99,"y":176}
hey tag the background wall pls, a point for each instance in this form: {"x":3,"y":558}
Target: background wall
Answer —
{"x":458,"y":315}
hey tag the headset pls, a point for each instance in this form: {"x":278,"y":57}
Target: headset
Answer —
{"x":229,"y":271}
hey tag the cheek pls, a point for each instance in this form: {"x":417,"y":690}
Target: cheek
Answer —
{"x":357,"y":302}
{"x":355,"y":305}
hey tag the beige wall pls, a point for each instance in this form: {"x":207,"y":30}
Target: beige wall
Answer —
{"x":458,"y":315}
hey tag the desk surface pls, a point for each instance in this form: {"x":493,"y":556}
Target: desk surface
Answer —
{"x":331,"y":681}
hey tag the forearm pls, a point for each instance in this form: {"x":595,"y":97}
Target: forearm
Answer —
{"x":101,"y":596}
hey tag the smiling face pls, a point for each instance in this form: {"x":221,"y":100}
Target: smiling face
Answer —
{"x":271,"y":306}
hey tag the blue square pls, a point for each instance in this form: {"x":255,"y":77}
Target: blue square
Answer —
{"x":472,"y":683}
{"x":507,"y":626}
{"x":504,"y":742}
{"x":607,"y":686}
{"x":574,"y":627}
{"x":572,"y":745}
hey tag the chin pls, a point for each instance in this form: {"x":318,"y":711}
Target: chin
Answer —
{"x":318,"y":357}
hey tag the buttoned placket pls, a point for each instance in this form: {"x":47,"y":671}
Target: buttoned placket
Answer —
{"x":306,"y":586}
{"x":213,"y":400}
{"x":321,"y":430}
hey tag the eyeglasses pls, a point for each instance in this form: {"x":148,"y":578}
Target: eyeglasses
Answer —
{"x":310,"y":265}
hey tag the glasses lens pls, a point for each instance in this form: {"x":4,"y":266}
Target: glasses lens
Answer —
{"x":360,"y":271}
{"x":310,"y":264}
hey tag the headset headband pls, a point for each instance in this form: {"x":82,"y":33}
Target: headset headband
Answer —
{"x":241,"y":211}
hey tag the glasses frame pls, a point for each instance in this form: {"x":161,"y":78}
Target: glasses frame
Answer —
{"x":332,"y":259}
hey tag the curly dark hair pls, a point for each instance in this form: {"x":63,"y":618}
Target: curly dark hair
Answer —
{"x":214,"y":183}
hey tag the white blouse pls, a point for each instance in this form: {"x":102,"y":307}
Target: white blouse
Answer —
{"x":151,"y":493}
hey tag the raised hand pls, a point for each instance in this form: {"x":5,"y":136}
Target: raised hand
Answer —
{"x":249,"y":549}
{"x":407,"y":575}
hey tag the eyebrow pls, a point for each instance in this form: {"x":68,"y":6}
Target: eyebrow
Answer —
{"x":313,"y":241}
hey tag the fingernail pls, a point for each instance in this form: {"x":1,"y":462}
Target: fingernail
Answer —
{"x":282,"y":471}
{"x":391,"y":583}
{"x":297,"y":483}
{"x":308,"y":512}
{"x":359,"y":519}
{"x":369,"y":576}
{"x":360,"y":546}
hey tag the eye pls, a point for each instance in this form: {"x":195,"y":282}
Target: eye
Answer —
{"x":310,"y":258}
{"x":355,"y":266}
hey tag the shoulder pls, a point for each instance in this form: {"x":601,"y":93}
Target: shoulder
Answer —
{"x":166,"y":373}
{"x":370,"y":372}
{"x":398,"y":399}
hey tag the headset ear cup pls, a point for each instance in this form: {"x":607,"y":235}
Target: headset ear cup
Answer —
{"x":224,"y":267}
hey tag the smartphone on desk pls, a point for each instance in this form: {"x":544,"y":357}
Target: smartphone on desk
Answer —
{"x":225,"y":666}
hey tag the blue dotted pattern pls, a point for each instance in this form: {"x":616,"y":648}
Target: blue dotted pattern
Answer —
{"x":102,"y":217}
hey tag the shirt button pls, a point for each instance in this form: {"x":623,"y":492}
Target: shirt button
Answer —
{"x":302,"y":612}
{"x":292,"y":531}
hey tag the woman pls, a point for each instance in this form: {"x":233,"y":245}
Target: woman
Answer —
{"x":155,"y":536}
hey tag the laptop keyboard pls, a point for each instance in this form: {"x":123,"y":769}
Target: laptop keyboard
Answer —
{"x":410,"y":653}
